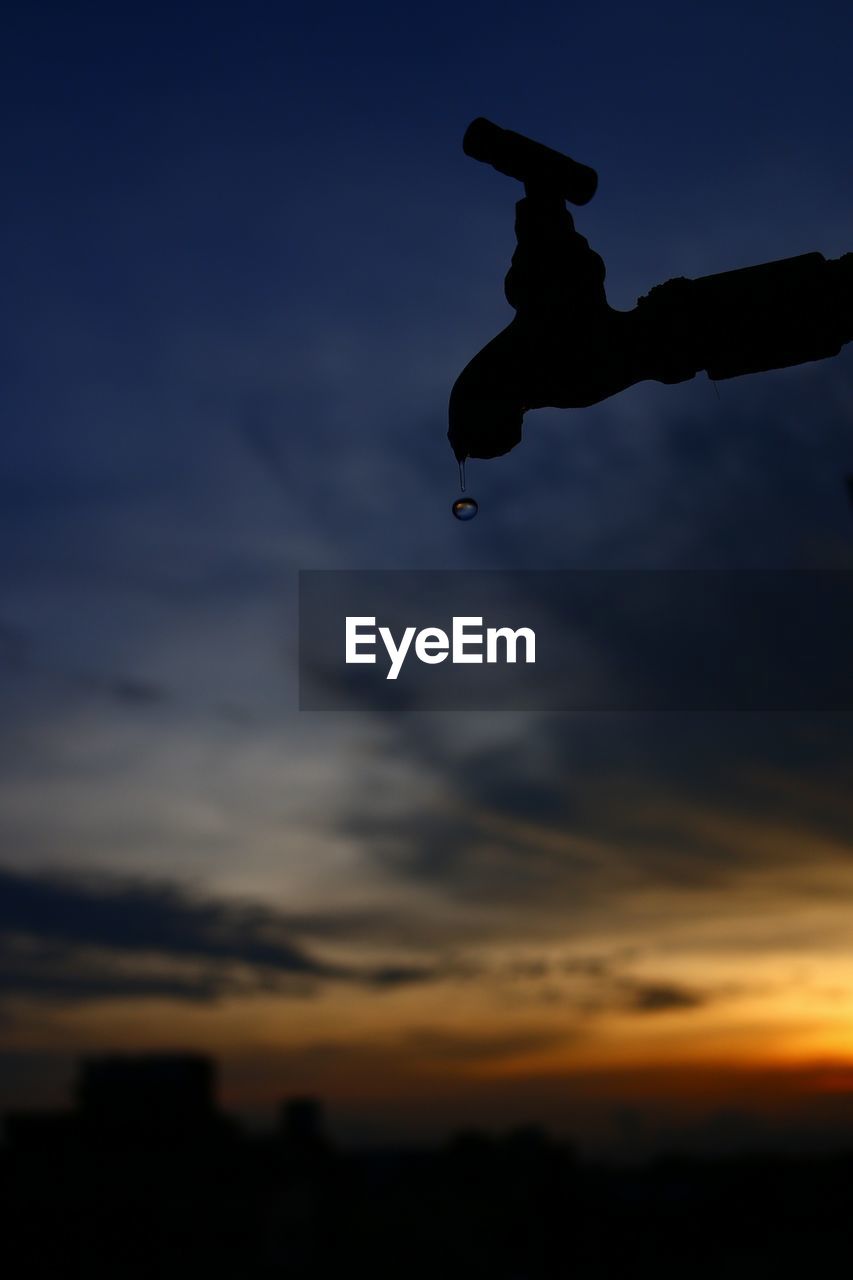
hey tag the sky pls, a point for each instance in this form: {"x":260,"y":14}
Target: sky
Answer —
{"x":244,"y":260}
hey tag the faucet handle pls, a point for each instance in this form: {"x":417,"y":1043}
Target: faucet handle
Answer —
{"x":530,"y":162}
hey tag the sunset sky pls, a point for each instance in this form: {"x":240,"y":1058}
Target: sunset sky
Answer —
{"x":244,"y":260}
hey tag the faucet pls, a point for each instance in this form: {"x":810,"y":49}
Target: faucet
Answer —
{"x":567,"y":348}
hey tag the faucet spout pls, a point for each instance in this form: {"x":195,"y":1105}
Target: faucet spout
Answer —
{"x":567,"y":348}
{"x":570,"y":356}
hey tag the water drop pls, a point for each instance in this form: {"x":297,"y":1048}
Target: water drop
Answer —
{"x":462,"y":474}
{"x":465,"y":508}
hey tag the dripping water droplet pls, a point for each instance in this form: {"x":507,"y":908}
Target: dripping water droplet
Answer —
{"x":462,"y":474}
{"x":465,"y":508}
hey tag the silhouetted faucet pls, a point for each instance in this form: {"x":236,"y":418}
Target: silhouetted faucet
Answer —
{"x":567,"y":348}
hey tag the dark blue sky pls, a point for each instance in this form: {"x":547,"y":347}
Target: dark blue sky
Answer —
{"x":258,"y":224}
{"x":244,"y":259}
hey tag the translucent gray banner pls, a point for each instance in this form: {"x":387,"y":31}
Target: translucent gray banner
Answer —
{"x":576,"y":641}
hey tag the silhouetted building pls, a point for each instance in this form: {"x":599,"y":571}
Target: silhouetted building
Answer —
{"x":148,"y":1099}
{"x":175,"y":1201}
{"x":39,"y":1131}
{"x":301,"y":1121}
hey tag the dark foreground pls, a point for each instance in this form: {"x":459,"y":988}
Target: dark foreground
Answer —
{"x":516,"y":1207}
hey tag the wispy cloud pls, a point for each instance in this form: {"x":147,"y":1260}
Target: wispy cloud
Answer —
{"x":89,"y":937}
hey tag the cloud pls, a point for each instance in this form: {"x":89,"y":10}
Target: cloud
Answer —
{"x":137,"y":693}
{"x":599,"y":984}
{"x":135,"y":915}
{"x":662,"y":997}
{"x":75,"y":937}
{"x":71,"y":938}
{"x":431,"y":1044}
{"x":569,"y":818}
{"x":33,"y":968}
